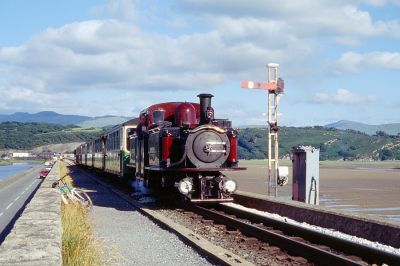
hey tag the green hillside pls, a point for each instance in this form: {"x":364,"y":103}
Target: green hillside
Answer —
{"x":334,"y":144}
{"x":16,"y":135}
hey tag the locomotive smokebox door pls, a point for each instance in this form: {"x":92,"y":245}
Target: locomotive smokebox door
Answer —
{"x":306,"y":175}
{"x":207,"y":148}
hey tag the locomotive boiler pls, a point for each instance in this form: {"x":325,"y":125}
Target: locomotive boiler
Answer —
{"x":182,"y":145}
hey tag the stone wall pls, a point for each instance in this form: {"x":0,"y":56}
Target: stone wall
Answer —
{"x":36,"y":236}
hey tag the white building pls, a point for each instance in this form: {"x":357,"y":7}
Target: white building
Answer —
{"x":21,"y":155}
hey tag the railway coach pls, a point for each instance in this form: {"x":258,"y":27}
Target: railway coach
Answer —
{"x":109,"y":153}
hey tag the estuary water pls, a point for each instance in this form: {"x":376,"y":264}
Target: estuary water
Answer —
{"x":7,"y":171}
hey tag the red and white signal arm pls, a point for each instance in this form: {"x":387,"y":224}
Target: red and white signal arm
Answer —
{"x":270,"y":86}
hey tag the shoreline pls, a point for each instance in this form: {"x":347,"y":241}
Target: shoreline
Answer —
{"x":14,"y":178}
{"x":368,"y":189}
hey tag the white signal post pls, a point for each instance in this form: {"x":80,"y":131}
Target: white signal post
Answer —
{"x":274,"y":86}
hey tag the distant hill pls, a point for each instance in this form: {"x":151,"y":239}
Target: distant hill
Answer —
{"x":334,"y":144}
{"x":391,"y":129}
{"x":44,"y":117}
{"x":16,"y":135}
{"x":56,"y":118}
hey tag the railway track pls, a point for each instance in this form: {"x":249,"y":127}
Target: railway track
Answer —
{"x":314,"y":246}
{"x":293,"y":244}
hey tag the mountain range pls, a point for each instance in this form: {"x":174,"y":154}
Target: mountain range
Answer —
{"x":56,"y":118}
{"x":391,"y":129}
{"x":108,"y":120}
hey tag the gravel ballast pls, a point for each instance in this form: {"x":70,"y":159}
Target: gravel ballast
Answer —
{"x":128,"y":237}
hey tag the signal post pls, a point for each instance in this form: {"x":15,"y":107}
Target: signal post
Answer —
{"x":274,"y":86}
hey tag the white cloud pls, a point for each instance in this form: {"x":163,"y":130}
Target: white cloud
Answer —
{"x":339,"y":20}
{"x":117,"y":55}
{"x":381,"y":2}
{"x":342,"y":96}
{"x":352,"y":62}
{"x":17,"y":98}
{"x":105,"y":54}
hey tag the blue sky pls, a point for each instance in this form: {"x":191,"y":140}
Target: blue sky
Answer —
{"x":339,"y":59}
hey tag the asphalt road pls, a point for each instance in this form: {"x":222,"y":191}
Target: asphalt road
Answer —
{"x":13,"y":199}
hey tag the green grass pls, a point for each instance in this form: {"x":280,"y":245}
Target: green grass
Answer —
{"x":5,"y":162}
{"x":79,"y":246}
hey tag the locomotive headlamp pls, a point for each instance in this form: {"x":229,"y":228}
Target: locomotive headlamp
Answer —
{"x":229,"y":186}
{"x":185,"y":186}
{"x":210,"y":113}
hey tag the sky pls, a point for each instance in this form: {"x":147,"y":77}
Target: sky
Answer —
{"x":340,"y":59}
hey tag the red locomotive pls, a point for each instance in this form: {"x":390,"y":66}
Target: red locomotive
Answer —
{"x":182,"y":145}
{"x":172,"y":145}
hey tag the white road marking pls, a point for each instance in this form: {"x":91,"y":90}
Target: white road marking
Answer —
{"x":16,"y":199}
{"x":1,"y":214}
{"x":9,"y":205}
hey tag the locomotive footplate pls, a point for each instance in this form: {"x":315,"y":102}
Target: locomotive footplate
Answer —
{"x":174,"y":170}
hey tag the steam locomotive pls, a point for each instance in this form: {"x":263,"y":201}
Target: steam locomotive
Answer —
{"x":174,"y":145}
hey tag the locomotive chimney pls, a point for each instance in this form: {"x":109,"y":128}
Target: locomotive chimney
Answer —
{"x":205,"y":102}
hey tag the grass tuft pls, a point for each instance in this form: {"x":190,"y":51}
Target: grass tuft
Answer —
{"x":79,"y":246}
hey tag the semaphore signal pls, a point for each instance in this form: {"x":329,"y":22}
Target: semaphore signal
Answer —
{"x":274,"y":86}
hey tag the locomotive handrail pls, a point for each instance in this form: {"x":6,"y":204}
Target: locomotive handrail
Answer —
{"x":212,"y":127}
{"x":154,"y":130}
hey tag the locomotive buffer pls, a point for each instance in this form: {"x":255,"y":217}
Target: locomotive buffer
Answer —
{"x":274,"y":86}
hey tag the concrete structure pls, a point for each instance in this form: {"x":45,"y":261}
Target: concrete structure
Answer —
{"x":36,"y":236}
{"x":374,"y":230}
{"x":306,"y":175}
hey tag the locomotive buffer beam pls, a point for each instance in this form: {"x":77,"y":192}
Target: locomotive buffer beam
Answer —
{"x":171,"y":170}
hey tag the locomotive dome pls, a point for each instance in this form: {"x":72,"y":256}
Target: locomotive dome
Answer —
{"x":186,"y":115}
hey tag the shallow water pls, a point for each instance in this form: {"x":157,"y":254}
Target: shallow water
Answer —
{"x":7,"y":171}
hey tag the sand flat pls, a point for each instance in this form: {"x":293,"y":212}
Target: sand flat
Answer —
{"x":372,"y":191}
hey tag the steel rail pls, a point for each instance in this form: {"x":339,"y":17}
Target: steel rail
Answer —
{"x":370,"y":254}
{"x":290,"y":244}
